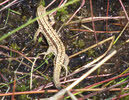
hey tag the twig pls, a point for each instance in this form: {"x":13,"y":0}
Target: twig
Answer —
{"x":89,"y":19}
{"x":91,"y":70}
{"x":124,"y":10}
{"x":10,"y":4}
{"x":15,"y":52}
{"x":50,"y":4}
{"x":105,"y":89}
{"x":82,"y":4}
{"x":14,"y":87}
{"x":31,"y":73}
{"x":121,"y":32}
{"x":55,"y":91}
{"x":93,"y":25}
{"x":4,"y":2}
{"x":111,"y":38}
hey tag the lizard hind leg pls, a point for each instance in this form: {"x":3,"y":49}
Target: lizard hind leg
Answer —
{"x":49,"y":50}
{"x":65,"y":64}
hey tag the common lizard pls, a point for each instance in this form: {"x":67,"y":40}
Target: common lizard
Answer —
{"x":55,"y":45}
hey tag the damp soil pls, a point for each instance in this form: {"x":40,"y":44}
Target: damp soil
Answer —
{"x":14,"y":66}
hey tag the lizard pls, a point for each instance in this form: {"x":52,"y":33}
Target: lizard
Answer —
{"x":56,"y":46}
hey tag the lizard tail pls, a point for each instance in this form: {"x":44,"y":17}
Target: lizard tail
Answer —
{"x":56,"y":76}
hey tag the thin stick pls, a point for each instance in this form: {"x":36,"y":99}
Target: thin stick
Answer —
{"x":89,"y":19}
{"x":93,"y":25}
{"x":124,"y":10}
{"x":82,"y":4}
{"x":4,"y":2}
{"x":91,"y":70}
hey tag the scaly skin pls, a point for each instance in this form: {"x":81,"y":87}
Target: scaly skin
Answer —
{"x":55,"y":45}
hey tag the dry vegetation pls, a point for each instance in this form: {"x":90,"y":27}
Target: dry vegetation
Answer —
{"x":96,"y":37}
